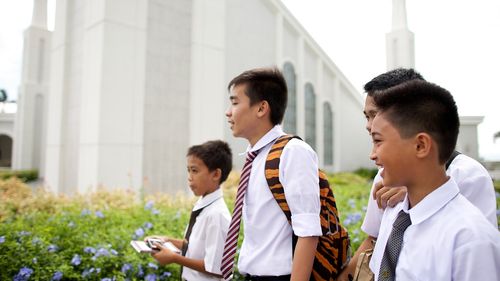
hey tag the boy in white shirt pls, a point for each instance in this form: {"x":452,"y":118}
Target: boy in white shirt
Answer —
{"x":208,"y":166}
{"x":448,"y":238}
{"x":258,"y":102}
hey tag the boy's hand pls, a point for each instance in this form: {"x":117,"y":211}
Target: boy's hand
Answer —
{"x":388,"y":196}
{"x":163,"y":238}
{"x":164,"y":256}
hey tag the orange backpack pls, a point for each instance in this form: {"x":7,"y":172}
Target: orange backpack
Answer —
{"x":333,"y":251}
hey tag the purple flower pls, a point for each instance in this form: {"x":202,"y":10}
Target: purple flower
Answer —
{"x":24,"y":233}
{"x":106,"y":279}
{"x":2,"y":239}
{"x":114,"y":252}
{"x":138,"y":233}
{"x":36,"y":240}
{"x":76,"y":260}
{"x":99,"y":214}
{"x":155,"y":212}
{"x":149,"y":205}
{"x":148,"y":225}
{"x":165,"y":274}
{"x":23,"y":274}
{"x":126,"y":267}
{"x":85,"y":212}
{"x":52,"y":248}
{"x":150,"y":277}
{"x":140,"y":272}
{"x":102,"y":252}
{"x":153,"y":266}
{"x":89,"y":250}
{"x":57,"y":276}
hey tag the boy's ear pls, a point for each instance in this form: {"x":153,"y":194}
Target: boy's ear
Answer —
{"x":423,"y":145}
{"x":217,"y":174}
{"x":263,"y":108}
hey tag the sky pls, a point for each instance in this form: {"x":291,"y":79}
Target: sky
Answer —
{"x":457,"y":46}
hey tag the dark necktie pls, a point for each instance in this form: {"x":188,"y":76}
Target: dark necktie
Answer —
{"x":393,"y":247}
{"x":192,"y":220}
{"x":234,"y":228}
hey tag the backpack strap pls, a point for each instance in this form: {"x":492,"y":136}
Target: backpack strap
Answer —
{"x":452,"y":156}
{"x":273,"y":179}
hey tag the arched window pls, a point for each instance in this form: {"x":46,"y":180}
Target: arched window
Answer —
{"x":5,"y":151}
{"x":290,"y":120}
{"x":327,"y":134}
{"x":310,"y":103}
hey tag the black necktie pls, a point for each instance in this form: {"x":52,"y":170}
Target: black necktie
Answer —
{"x":192,"y":220}
{"x":393,"y":247}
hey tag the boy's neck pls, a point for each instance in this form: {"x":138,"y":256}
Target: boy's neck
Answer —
{"x":259,"y":133}
{"x":425,"y":184}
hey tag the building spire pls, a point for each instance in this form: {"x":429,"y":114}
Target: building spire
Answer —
{"x":400,"y":45}
{"x":399,"y":15}
{"x":39,"y":18}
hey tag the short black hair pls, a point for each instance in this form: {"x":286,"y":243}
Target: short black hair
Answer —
{"x":265,"y":84}
{"x":216,"y":154}
{"x":390,"y":79}
{"x":420,"y":106}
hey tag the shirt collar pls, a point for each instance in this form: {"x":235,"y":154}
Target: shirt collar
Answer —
{"x":270,"y":136}
{"x":208,"y":199}
{"x":432,"y":203}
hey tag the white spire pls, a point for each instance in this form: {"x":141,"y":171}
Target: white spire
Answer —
{"x":39,"y":18}
{"x":400,"y":45}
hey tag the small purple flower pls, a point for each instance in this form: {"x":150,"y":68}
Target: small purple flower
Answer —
{"x":177,"y":215}
{"x":36,"y":241}
{"x":2,"y":239}
{"x":138,"y":233}
{"x":52,"y":248}
{"x":140,"y":272}
{"x":498,"y":212}
{"x":149,"y":205}
{"x":106,"y":279}
{"x":85,"y":212}
{"x":150,"y":277}
{"x":113,"y":252}
{"x":89,"y":250}
{"x":102,"y":252}
{"x":148,"y":225}
{"x":76,"y":260}
{"x":24,"y":233}
{"x":126,"y":267}
{"x":99,"y":214}
{"x":23,"y":274}
{"x":165,"y":274}
{"x":153,"y":266}
{"x":155,"y":212}
{"x":352,"y":203}
{"x":57,"y":276}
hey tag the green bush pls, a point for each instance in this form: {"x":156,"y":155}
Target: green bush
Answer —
{"x":87,"y":237}
{"x":366,"y":173}
{"x":24,"y":175}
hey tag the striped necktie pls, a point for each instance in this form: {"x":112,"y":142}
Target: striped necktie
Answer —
{"x":234,"y":228}
{"x":393,"y":247}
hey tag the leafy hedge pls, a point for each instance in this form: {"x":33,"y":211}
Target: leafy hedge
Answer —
{"x":23,"y":175}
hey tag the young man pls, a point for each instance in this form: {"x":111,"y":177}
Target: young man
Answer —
{"x":471,"y":177}
{"x":208,"y":166}
{"x":435,"y":233}
{"x":258,"y":101}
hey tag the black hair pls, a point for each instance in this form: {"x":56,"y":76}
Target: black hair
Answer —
{"x":420,"y":106}
{"x":216,"y":154}
{"x":265,"y":84}
{"x":390,"y":79}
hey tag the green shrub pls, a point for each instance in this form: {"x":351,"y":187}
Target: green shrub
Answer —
{"x":366,"y":173}
{"x":23,"y":175}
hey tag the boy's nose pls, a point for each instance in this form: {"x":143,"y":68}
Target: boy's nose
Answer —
{"x":228,"y":112}
{"x":373,"y":155}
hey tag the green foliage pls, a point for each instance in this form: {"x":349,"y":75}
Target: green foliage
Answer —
{"x":366,"y":173}
{"x":23,"y":175}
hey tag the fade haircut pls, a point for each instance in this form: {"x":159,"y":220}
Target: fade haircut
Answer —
{"x":390,"y":79}
{"x":264,"y":84}
{"x":215,"y":154}
{"x":418,"y":106}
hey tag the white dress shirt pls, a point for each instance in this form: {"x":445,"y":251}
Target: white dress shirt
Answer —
{"x":267,"y":244}
{"x":472,"y":179}
{"x":208,"y":236}
{"x":449,"y":239}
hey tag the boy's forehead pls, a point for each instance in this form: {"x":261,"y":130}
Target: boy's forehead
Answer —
{"x":380,"y":124}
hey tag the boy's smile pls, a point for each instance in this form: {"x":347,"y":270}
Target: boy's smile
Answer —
{"x":391,"y":152}
{"x":241,"y":115}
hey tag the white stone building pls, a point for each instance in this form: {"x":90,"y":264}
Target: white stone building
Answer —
{"x":119,"y":91}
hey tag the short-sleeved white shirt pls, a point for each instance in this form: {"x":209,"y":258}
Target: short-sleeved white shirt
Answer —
{"x":208,"y":236}
{"x":472,"y":179}
{"x":267,"y":244}
{"x":449,"y":239}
